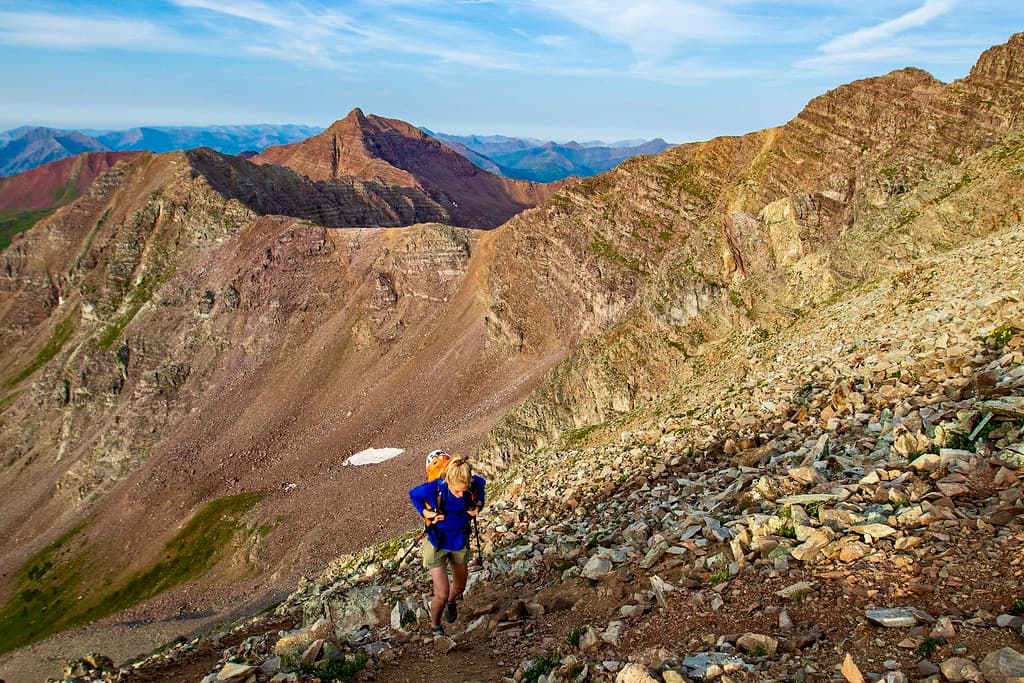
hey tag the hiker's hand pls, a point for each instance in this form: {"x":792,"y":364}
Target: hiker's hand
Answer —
{"x":473,"y":512}
{"x":432,"y":517}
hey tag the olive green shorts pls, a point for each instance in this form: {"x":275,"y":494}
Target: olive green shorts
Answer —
{"x":433,"y":558}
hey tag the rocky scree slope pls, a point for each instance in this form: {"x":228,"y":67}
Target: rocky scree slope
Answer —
{"x":227,"y":356}
{"x":843,"y":500}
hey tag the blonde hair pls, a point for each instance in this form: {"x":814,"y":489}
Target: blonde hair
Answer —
{"x":459,"y":472}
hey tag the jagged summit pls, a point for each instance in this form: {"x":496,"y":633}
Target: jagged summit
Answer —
{"x":1002,"y":62}
{"x":395,"y":152}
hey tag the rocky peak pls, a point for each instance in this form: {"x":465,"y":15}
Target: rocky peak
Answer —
{"x":374,"y":148}
{"x":1002,"y":62}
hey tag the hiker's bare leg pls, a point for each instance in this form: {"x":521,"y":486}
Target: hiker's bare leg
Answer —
{"x":460,"y":572}
{"x":439,"y":575}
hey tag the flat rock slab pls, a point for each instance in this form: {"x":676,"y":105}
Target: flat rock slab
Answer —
{"x":807,"y":498}
{"x":893,"y":617}
{"x":1011,"y":406}
{"x":232,"y":671}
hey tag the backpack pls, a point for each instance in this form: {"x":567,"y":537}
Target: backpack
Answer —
{"x":437,"y":462}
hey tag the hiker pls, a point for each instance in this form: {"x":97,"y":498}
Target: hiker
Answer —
{"x":448,"y":504}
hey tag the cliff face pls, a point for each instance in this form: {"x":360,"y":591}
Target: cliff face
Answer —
{"x":192,"y":328}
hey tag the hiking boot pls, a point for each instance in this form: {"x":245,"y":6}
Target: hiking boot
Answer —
{"x":437,"y":630}
{"x":451,"y":612}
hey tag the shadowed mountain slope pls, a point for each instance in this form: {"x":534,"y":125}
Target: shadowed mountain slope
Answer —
{"x":165,"y":345}
{"x":372,"y":147}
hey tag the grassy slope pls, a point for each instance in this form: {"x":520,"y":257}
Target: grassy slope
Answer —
{"x":61,"y":579}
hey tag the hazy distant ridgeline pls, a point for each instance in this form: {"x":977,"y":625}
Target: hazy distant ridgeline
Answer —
{"x":544,"y":162}
{"x":25,"y":148}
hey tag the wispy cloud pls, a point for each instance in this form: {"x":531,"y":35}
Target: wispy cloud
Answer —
{"x":40,"y":29}
{"x":553,"y":41}
{"x":651,"y":29}
{"x":251,"y":11}
{"x":876,"y":43}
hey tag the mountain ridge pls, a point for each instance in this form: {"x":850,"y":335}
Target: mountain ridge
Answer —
{"x":578,"y":311}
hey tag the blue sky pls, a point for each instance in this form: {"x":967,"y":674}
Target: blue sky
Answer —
{"x":559,"y":69}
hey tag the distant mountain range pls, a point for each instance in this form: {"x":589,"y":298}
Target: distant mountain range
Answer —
{"x":533,"y":159}
{"x":543,"y":162}
{"x":27,"y":147}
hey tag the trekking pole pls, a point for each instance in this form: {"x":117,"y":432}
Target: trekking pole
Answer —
{"x":416,"y":541}
{"x":479,"y":561}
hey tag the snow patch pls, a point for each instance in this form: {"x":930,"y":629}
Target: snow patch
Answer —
{"x":372,"y":456}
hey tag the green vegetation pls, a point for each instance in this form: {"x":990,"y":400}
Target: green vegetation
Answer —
{"x":51,"y":348}
{"x":574,"y":636}
{"x":265,"y":528}
{"x":962,"y":183}
{"x":717,"y":577}
{"x":1010,"y":148}
{"x":540,"y":666}
{"x":678,"y":346}
{"x":605,"y":249}
{"x":906,"y":216}
{"x":337,"y":669}
{"x":683,"y":177}
{"x":91,"y":236}
{"x":561,"y":203}
{"x":67,"y":192}
{"x":959,"y":442}
{"x":42,"y":586}
{"x":138,"y":298}
{"x":786,"y":531}
{"x":6,"y":401}
{"x":60,"y":587}
{"x":1017,"y":608}
{"x":812,"y":508}
{"x":15,"y":222}
{"x":1002,"y":335}
{"x":576,"y":437}
{"x":929,"y":645}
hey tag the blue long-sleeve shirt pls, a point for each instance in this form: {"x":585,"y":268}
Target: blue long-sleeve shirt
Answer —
{"x":452,"y":532}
